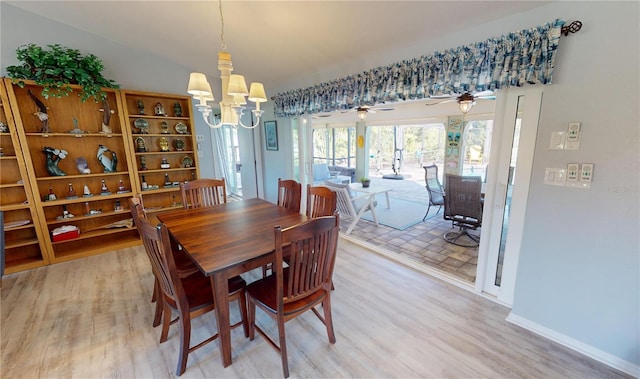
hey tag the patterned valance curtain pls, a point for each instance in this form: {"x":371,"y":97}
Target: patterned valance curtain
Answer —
{"x":516,"y":59}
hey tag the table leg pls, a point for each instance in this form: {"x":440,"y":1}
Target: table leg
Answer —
{"x":221,"y":299}
{"x":386,"y":193}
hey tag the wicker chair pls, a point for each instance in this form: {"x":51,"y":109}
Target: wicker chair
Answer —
{"x":436,"y":193}
{"x":463,"y":207}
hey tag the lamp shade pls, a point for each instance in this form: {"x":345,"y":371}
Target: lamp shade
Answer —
{"x":257,"y":94}
{"x":239,"y":100}
{"x":198,"y":85}
{"x":237,"y":85}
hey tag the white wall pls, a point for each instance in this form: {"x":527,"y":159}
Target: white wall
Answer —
{"x":578,"y":276}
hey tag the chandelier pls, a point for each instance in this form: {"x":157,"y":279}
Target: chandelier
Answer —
{"x":234,"y":91}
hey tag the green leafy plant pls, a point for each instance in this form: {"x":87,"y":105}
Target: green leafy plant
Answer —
{"x":55,"y":69}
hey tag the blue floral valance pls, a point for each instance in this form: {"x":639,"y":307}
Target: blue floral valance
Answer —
{"x":524,"y":57}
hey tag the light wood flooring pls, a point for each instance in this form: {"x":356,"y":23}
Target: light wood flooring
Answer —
{"x":91,"y":318}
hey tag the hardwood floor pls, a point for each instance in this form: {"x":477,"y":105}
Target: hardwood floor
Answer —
{"x":91,"y":318}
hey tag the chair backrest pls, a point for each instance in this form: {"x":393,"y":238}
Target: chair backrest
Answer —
{"x":312,"y":249}
{"x":158,"y":248}
{"x":203,"y":193}
{"x":345,"y":203}
{"x":436,"y":194}
{"x":463,"y":199}
{"x":289,"y":194}
{"x":321,"y":201}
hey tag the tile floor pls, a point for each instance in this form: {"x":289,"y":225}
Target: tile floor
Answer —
{"x":422,"y":242}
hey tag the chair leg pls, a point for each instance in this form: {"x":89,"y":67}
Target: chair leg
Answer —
{"x":328,"y":319}
{"x":166,"y":320}
{"x":157,"y":318}
{"x":242,"y":303}
{"x":283,"y":346}
{"x":251,"y":318}
{"x":425,"y":215}
{"x":185,"y":331}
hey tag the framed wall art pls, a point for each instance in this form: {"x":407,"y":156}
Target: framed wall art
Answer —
{"x":271,"y":135}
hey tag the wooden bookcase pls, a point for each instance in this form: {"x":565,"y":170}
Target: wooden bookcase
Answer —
{"x":161,"y":135}
{"x":24,"y":235}
{"x":94,"y":215}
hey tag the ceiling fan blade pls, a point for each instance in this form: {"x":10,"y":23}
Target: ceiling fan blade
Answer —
{"x":442,"y":102}
{"x":483,"y":93}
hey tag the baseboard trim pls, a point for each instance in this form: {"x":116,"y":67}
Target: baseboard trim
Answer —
{"x":581,"y":347}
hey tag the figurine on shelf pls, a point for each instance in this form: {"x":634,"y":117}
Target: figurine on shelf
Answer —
{"x":106,"y":117}
{"x":140,"y":145}
{"x":104,"y":190}
{"x":1,"y":152}
{"x":143,"y":163}
{"x":76,"y":129}
{"x":86,"y":192}
{"x":145,"y":186}
{"x":167,"y":181}
{"x":174,"y":203}
{"x":4,"y":128}
{"x":178,"y":144}
{"x":164,"y":127}
{"x":159,"y":109}
{"x":65,"y":214}
{"x":109,"y":163}
{"x":140,"y":105}
{"x":91,"y":212}
{"x":121,"y":187}
{"x":83,"y":165}
{"x":117,"y":207}
{"x":54,"y":156}
{"x":164,"y":144}
{"x":41,"y":113}
{"x":71,"y":194}
{"x":177,"y":109}
{"x":164,"y":163}
{"x":51,"y":196}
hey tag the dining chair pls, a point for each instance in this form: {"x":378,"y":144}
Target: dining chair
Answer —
{"x":301,"y":286}
{"x":190,"y":297}
{"x":436,"y":193}
{"x":203,"y":193}
{"x":321,"y":201}
{"x":353,"y":207}
{"x":184,"y":264}
{"x":463,"y":207}
{"x":289,"y":194}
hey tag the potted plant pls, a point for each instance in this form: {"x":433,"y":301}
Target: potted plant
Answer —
{"x":365,"y":182}
{"x":55,"y":69}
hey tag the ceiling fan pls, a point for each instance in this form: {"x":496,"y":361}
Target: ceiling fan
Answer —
{"x":364,"y":109}
{"x":466,"y":101}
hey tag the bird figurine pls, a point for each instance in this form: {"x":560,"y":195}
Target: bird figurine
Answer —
{"x":83,"y":165}
{"x":106,"y":117}
{"x":109,"y":162}
{"x":41,"y":113}
{"x":54,"y":156}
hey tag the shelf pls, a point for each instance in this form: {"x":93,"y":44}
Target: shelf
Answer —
{"x":47,"y":135}
{"x":162,"y":209}
{"x":161,"y":134}
{"x":95,"y":233}
{"x":82,"y":199}
{"x":165,"y":152}
{"x":21,"y":243}
{"x":22,"y":264}
{"x":8,"y":158}
{"x":84,"y":217}
{"x":70,"y":250}
{"x":14,"y":207}
{"x":25,"y":226}
{"x":66,"y":177}
{"x":183,"y":118}
{"x":143,"y":172}
{"x":12,"y":185}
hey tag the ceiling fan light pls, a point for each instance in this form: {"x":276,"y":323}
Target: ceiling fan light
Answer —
{"x":466,"y":105}
{"x":362,"y":114}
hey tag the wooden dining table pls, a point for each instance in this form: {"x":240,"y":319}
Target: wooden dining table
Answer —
{"x":226,"y":240}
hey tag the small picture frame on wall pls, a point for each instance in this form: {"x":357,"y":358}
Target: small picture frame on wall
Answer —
{"x":271,"y":135}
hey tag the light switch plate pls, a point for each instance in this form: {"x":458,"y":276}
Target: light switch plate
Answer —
{"x":573,"y":136}
{"x":555,"y":176}
{"x":572,"y":172}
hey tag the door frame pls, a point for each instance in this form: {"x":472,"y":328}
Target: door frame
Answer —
{"x":504,"y":124}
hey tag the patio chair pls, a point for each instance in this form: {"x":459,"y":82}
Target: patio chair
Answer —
{"x":436,"y":194}
{"x":463,"y":207}
{"x":353,"y":207}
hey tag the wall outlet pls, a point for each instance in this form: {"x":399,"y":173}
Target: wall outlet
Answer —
{"x":573,"y":136}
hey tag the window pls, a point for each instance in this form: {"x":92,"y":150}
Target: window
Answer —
{"x":335,"y":146}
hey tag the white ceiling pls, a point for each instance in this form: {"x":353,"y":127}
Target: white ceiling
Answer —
{"x":280,"y":43}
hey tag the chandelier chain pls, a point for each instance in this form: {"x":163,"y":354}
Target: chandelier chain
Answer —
{"x":223,"y":45}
